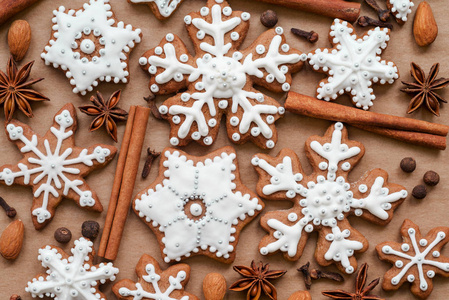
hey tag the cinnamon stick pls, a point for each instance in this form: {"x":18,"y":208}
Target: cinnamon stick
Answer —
{"x":405,"y":129}
{"x":127,"y":174}
{"x":344,"y":10}
{"x":9,"y":8}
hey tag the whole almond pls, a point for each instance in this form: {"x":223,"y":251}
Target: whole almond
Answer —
{"x":19,"y":38}
{"x":214,"y":286}
{"x":425,"y":28}
{"x":300,"y":295}
{"x":11,"y":240}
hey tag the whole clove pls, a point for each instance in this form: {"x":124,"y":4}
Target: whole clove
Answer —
{"x":310,"y":36}
{"x":10,"y":211}
{"x":383,"y":14}
{"x":316,"y":274}
{"x":364,"y":21}
{"x":148,"y":162}
{"x":152,"y":104}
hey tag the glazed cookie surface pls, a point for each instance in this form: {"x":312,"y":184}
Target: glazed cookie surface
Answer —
{"x":162,"y":9}
{"x":323,"y":200}
{"x":219,"y":79}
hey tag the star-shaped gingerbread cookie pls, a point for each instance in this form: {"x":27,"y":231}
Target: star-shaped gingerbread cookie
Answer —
{"x":53,"y":166}
{"x":153,"y":283}
{"x":416,"y":260}
{"x":162,"y":9}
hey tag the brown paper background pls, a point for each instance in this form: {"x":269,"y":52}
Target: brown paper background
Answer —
{"x":293,"y":131}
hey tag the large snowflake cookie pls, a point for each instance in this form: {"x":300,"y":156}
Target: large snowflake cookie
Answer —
{"x":416,"y":259}
{"x":219,"y":79}
{"x":162,"y":9}
{"x":54,"y":166}
{"x":323,"y":200}
{"x":197,"y":205}
{"x":71,"y":277}
{"x":154,"y":283}
{"x":400,"y":9}
{"x":88,"y":47}
{"x":353,"y":64}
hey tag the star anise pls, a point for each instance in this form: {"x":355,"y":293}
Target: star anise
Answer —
{"x":424,"y":89}
{"x":105,"y":112}
{"x":16,"y":91}
{"x":256,"y":279}
{"x":361,"y":292}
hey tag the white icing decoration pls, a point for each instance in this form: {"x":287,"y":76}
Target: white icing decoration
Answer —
{"x":52,"y":166}
{"x":354,"y":65}
{"x":418,"y":259}
{"x":166,"y":7}
{"x":210,"y":185}
{"x":217,"y":74}
{"x":117,"y":43}
{"x":154,"y":278}
{"x":325,"y":202}
{"x":401,"y":8}
{"x":71,"y":278}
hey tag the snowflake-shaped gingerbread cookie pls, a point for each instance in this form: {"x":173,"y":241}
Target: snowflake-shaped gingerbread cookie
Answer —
{"x":400,"y":9}
{"x":323,"y":200}
{"x":90,"y":44}
{"x":219,"y":79}
{"x":71,"y":277}
{"x":162,"y":9}
{"x":416,"y":260}
{"x":54,"y":166}
{"x":197,"y":205}
{"x":155,"y":284}
{"x":353,"y":64}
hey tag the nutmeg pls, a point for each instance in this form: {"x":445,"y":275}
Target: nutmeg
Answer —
{"x":419,"y":191}
{"x":269,"y":18}
{"x":431,"y":178}
{"x":408,"y":164}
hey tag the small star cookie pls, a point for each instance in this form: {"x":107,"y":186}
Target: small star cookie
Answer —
{"x":53,"y":166}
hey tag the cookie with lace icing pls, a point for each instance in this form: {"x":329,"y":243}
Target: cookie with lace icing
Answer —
{"x":197,"y":205}
{"x":401,"y":9}
{"x":218,"y":80}
{"x":90,"y":45}
{"x":155,"y":283}
{"x":354,"y":64}
{"x":54,"y":166}
{"x":417,"y":259}
{"x":323,"y":200}
{"x":162,"y":9}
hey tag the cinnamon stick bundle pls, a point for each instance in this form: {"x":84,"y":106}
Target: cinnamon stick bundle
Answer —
{"x":408,"y":130}
{"x":125,"y":177}
{"x":345,"y":10}
{"x":9,"y":8}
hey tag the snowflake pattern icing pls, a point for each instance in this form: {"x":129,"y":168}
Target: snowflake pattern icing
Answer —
{"x":219,"y":78}
{"x":324,"y":199}
{"x":151,"y":282}
{"x":196,"y":206}
{"x":54,"y":172}
{"x":88,"y":48}
{"x":71,"y":277}
{"x":415,"y":255}
{"x":401,"y":8}
{"x":165,"y":7}
{"x":353,"y":64}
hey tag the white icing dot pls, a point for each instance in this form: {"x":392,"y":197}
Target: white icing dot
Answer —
{"x":260,"y":49}
{"x":235,"y":36}
{"x":204,"y":11}
{"x":188,"y":20}
{"x":236,"y":136}
{"x":223,"y":104}
{"x":143,"y":61}
{"x":184,"y":58}
{"x":245,"y":16}
{"x":196,"y":210}
{"x":270,"y":144}
{"x":227,"y":11}
{"x":154,"y":88}
{"x":363,"y":188}
{"x":170,"y":37}
{"x":292,"y":217}
{"x":174,"y":141}
{"x":279,"y":30}
{"x":163,"y":109}
{"x":212,"y":122}
{"x":208,"y":140}
{"x":234,"y":121}
{"x":286,"y":87}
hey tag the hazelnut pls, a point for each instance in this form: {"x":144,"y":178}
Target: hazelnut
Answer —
{"x":63,"y":235}
{"x":269,"y":18}
{"x":408,"y":164}
{"x":419,"y":191}
{"x":90,"y":229}
{"x":431,"y":178}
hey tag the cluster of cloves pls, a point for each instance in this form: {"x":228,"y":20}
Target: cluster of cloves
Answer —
{"x":384,"y":15}
{"x":310,"y":274}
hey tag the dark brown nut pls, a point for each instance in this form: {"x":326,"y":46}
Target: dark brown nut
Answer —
{"x":90,"y":229}
{"x":63,"y":235}
{"x":408,"y":164}
{"x":15,"y":297}
{"x":419,"y":191}
{"x":269,"y":18}
{"x":431,"y":178}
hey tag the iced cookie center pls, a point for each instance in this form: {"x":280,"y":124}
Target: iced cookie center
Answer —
{"x":223,"y":76}
{"x":326,"y":201}
{"x":194,"y":207}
